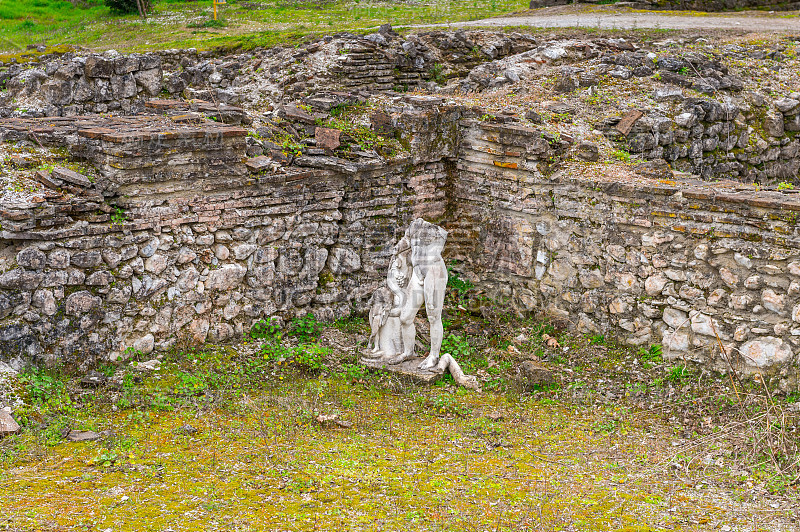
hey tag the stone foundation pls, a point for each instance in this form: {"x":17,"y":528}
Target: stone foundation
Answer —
{"x":208,"y":245}
{"x":687,"y":265}
{"x":206,"y":248}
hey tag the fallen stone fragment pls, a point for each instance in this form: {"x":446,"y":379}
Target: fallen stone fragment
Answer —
{"x":7,"y":424}
{"x":21,"y":161}
{"x":564,"y":84}
{"x":294,"y":114}
{"x":47,"y":179}
{"x":327,"y":420}
{"x":71,"y":176}
{"x":258,"y":164}
{"x":558,"y":108}
{"x":83,"y":435}
{"x":534,"y":117}
{"x":93,"y":379}
{"x":587,"y":151}
{"x":551,"y":341}
{"x":628,"y":120}
{"x":150,"y":365}
{"x":531,"y":374}
{"x":327,"y":138}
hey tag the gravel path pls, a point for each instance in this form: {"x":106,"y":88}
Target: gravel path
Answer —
{"x":556,"y":18}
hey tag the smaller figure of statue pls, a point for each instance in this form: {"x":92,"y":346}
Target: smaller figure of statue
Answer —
{"x":385,"y":340}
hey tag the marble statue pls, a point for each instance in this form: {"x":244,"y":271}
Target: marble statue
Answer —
{"x":386,"y":304}
{"x":417,"y":275}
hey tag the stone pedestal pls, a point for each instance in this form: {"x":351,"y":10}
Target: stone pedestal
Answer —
{"x":408,"y":369}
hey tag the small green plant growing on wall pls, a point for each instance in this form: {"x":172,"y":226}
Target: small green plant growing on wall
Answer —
{"x":436,"y":74}
{"x":621,"y":155}
{"x":118,"y":216}
{"x":783,"y":185}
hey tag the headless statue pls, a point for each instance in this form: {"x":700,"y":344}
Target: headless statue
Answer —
{"x":417,"y":275}
{"x":427,"y":285}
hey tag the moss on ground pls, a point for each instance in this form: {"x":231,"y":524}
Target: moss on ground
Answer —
{"x":410,"y":461}
{"x":263,"y":436}
{"x":286,"y":432}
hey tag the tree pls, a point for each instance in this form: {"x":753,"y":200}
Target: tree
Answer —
{"x":126,"y":7}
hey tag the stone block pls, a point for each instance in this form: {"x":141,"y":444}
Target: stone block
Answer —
{"x":259,"y":164}
{"x":628,"y":120}
{"x":71,"y":176}
{"x":98,"y":67}
{"x":765,"y":351}
{"x":149,"y":80}
{"x":81,"y":302}
{"x":31,"y":258}
{"x":327,"y":138}
{"x":532,"y":375}
{"x":407,"y":369}
{"x":7,"y":424}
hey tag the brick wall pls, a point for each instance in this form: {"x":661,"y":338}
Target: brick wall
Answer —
{"x":208,"y":248}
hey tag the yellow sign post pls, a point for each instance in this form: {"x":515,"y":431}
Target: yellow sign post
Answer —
{"x":215,"y":7}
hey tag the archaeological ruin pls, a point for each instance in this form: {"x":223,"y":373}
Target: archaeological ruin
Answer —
{"x":643,"y":190}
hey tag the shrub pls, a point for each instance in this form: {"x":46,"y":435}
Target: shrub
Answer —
{"x":462,"y":286}
{"x":43,"y":387}
{"x":306,"y":328}
{"x":310,"y":357}
{"x":266,"y":329}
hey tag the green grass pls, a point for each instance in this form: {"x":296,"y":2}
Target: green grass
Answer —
{"x":181,"y":23}
{"x":240,"y":438}
{"x":216,"y":456}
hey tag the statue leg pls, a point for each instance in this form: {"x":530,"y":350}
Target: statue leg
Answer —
{"x":413,"y":301}
{"x":435,"y":286}
{"x":375,"y":326}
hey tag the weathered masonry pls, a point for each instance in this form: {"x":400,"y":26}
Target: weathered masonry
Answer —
{"x":210,"y":242}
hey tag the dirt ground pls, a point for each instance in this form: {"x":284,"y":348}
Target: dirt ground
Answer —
{"x":609,"y":17}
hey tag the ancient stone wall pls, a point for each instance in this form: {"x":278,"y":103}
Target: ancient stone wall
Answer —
{"x":76,"y":83}
{"x":179,"y":241}
{"x":205,"y":247}
{"x":94,"y":83}
{"x":754,"y":141}
{"x":685,"y":265}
